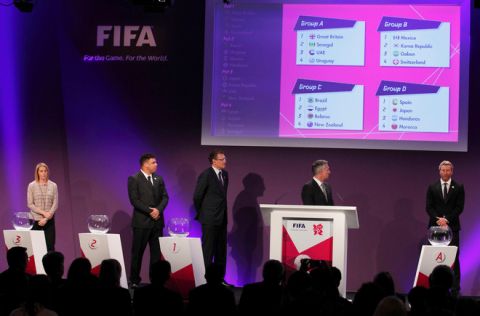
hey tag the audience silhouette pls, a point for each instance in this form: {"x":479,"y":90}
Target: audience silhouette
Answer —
{"x":14,"y":280}
{"x":39,"y":295}
{"x":212,"y":297}
{"x":155,"y":298}
{"x":305,"y":292}
{"x":266,"y":296}
{"x":112,"y":298}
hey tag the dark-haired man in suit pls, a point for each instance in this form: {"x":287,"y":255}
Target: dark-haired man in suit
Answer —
{"x":317,"y":191}
{"x":445,"y":201}
{"x":210,"y":201}
{"x":148,"y":196}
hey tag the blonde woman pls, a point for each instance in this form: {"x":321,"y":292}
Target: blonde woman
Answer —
{"x":42,"y":198}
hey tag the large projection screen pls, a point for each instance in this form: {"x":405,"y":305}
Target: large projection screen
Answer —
{"x":343,"y":74}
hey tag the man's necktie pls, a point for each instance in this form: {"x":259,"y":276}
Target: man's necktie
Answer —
{"x":220,"y":178}
{"x":324,"y":190}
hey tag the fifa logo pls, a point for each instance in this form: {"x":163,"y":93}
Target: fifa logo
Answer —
{"x":298,"y":225}
{"x":125,"y":36}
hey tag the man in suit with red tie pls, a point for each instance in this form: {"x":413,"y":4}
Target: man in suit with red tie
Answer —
{"x":148,"y":196}
{"x":317,"y":191}
{"x":445,"y":201}
{"x":210,"y":201}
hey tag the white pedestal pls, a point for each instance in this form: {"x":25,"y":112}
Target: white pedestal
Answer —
{"x":34,"y":241}
{"x":430,"y":257}
{"x":316,"y":232}
{"x":186,"y":258}
{"x":98,"y":247}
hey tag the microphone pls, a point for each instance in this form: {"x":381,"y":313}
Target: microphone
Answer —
{"x":280,"y":197}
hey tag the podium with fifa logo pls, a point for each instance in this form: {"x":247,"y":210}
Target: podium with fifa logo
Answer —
{"x":310,"y":232}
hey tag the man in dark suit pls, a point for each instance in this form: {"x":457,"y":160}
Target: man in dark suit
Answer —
{"x":445,"y":201}
{"x":148,"y":196}
{"x":317,"y":191}
{"x":210,"y":200}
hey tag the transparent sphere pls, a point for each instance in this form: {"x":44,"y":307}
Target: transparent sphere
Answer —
{"x":439,"y":235}
{"x":22,"y":221}
{"x":98,"y":224}
{"x":179,"y":227}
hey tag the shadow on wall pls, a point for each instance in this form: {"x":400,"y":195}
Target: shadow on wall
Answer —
{"x":181,"y":197}
{"x":81,"y":196}
{"x":121,"y":224}
{"x":183,"y":191}
{"x":400,"y":244}
{"x":246,"y":236}
{"x":84,"y":204}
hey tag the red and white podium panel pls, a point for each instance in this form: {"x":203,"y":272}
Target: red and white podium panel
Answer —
{"x":98,"y":247}
{"x":310,"y":232}
{"x":430,"y":257}
{"x":186,"y":258}
{"x":34,"y":241}
{"x":306,"y":239}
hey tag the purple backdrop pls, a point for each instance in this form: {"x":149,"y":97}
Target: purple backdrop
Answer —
{"x":91,"y":121}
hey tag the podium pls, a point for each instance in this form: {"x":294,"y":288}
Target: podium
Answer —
{"x":186,"y":259}
{"x":310,"y":232}
{"x":34,"y":241}
{"x":98,"y":247}
{"x":430,"y":257}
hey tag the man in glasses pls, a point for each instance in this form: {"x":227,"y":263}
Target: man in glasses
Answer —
{"x":210,"y":201}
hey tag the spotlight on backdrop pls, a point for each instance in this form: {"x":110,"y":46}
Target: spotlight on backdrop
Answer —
{"x":24,"y":5}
